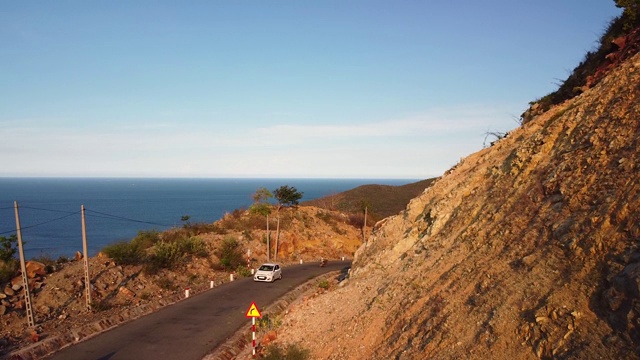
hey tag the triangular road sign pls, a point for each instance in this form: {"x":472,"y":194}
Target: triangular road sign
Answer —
{"x":253,"y":311}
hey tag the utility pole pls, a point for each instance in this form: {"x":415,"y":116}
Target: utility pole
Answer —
{"x":268,"y":242}
{"x":275,"y":255}
{"x":87,"y":281}
{"x":23,"y":268}
{"x":364,"y":227}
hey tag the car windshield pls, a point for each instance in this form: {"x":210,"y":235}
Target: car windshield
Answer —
{"x":266,"y":268}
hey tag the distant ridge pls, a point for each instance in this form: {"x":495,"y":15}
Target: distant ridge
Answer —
{"x":381,"y":200}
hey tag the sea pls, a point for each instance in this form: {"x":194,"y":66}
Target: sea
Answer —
{"x":116,"y":209}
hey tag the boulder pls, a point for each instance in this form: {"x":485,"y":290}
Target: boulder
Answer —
{"x":126,"y":292}
{"x":16,"y":280}
{"x":35,"y":268}
{"x":19,"y":304}
{"x":269,"y":338}
{"x":78,"y":256}
{"x":9,"y":291}
{"x":3,"y":309}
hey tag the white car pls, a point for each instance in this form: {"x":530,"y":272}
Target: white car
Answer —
{"x":268,"y":272}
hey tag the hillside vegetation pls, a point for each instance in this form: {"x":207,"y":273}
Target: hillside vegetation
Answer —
{"x":380,"y":200}
{"x":132,"y":278}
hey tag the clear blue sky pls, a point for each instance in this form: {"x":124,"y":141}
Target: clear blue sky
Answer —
{"x":337,"y":89}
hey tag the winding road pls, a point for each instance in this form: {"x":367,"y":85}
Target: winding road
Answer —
{"x":193,"y":327}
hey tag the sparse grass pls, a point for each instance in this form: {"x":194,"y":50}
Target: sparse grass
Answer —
{"x":166,"y":283}
{"x":268,"y":323}
{"x":100,"y":306}
{"x":276,"y":351}
{"x":323,"y":284}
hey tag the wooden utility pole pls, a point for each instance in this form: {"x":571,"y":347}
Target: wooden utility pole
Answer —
{"x":87,"y":281}
{"x":23,"y":268}
{"x":275,"y":255}
{"x":364,"y":227}
{"x":268,"y":243}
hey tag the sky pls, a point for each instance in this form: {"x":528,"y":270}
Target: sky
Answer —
{"x":275,"y":89}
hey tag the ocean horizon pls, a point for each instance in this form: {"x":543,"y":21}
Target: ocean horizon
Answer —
{"x":116,"y":209}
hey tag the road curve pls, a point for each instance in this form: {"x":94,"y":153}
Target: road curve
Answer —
{"x":192,"y":327}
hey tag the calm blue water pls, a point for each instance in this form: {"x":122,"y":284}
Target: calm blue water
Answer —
{"x":116,"y":209}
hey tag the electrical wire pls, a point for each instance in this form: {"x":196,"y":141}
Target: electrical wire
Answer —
{"x":49,"y":221}
{"x":116,"y":217}
{"x":52,"y":210}
{"x":69,"y":213}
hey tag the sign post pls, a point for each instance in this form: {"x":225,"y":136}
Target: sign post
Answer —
{"x":253,"y":313}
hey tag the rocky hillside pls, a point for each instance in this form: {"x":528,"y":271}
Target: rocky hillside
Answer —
{"x":527,"y":249}
{"x":380,"y":200}
{"x":120,"y":292}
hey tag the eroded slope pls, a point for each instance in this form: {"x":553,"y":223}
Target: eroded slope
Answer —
{"x":526,"y":249}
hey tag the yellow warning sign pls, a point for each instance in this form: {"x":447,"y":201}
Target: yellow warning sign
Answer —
{"x":253,"y":311}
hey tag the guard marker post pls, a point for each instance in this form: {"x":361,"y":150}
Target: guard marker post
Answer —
{"x":186,"y":292}
{"x":253,"y":313}
{"x":211,"y":284}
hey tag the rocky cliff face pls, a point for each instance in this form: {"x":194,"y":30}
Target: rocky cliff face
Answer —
{"x":526,"y":249}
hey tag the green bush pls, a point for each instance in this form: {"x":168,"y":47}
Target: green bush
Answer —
{"x":243,"y":271}
{"x":7,"y":247}
{"x":196,"y":247}
{"x":323,"y":284}
{"x":125,"y":253}
{"x":146,"y":239}
{"x":8,"y":269}
{"x":230,"y":254}
{"x":166,"y":255}
{"x":268,"y":323}
{"x":169,"y":255}
{"x":292,"y":352}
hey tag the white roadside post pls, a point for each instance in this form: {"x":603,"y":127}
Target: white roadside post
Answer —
{"x":186,"y":292}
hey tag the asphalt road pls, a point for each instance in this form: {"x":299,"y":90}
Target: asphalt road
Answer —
{"x":193,"y":327}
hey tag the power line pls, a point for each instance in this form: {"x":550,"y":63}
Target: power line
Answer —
{"x":70,"y":213}
{"x":7,"y":232}
{"x":52,"y":210}
{"x":116,"y":217}
{"x":49,"y":221}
